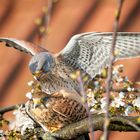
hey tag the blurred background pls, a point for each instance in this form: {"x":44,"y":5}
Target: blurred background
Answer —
{"x":18,"y":19}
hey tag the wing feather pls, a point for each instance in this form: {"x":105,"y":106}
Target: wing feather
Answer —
{"x":21,"y":45}
{"x":90,"y":52}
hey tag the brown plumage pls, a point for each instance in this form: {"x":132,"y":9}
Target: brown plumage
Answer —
{"x":54,"y":111}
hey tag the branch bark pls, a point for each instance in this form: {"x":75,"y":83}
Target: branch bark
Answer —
{"x":110,"y":68}
{"x":10,"y":108}
{"x":117,"y":123}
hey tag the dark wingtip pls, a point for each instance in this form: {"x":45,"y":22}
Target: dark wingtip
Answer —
{"x":3,"y":41}
{"x":8,"y":45}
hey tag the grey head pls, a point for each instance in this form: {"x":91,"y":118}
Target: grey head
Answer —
{"x":41,"y":62}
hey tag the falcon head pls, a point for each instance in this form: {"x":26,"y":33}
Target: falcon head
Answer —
{"x":41,"y":63}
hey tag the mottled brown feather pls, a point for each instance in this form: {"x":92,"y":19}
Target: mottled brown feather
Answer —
{"x":56,"y":112}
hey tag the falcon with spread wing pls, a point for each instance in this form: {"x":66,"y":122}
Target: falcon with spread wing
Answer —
{"x":87,"y":52}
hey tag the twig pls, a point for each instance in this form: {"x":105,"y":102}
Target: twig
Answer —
{"x":45,"y":21}
{"x":136,"y":90}
{"x":48,"y":16}
{"x":9,"y":108}
{"x":109,"y":78}
{"x":79,"y":79}
{"x":48,"y":136}
{"x":127,"y":121}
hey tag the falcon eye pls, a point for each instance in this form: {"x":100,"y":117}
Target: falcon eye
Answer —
{"x":44,"y":99}
{"x":46,"y":67}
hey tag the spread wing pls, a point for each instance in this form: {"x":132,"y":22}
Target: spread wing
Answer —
{"x":21,"y":45}
{"x":90,"y":52}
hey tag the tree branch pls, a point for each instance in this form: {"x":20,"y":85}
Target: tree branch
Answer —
{"x":117,"y":123}
{"x":10,"y":108}
{"x":136,"y":90}
{"x":45,"y":21}
{"x":110,"y":68}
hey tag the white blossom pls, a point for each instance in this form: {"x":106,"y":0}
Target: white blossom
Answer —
{"x":115,"y":71}
{"x":117,"y":102}
{"x":32,"y":90}
{"x":121,"y":94}
{"x":92,"y":102}
{"x":29,"y":95}
{"x":136,"y":102}
{"x":90,"y":94}
{"x":35,"y":77}
{"x":96,"y":84}
{"x":120,"y":66}
{"x":1,"y":133}
{"x":93,"y":110}
{"x":120,"y":79}
{"x":30,"y":83}
{"x":103,"y":104}
{"x":90,"y":98}
{"x":129,"y":89}
{"x":21,"y":122}
{"x":128,"y":110}
{"x":126,"y":79}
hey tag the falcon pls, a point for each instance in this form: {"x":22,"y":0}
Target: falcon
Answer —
{"x":87,"y":52}
{"x":54,"y":111}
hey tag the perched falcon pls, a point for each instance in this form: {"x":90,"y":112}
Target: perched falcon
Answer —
{"x":54,"y":111}
{"x":87,"y":52}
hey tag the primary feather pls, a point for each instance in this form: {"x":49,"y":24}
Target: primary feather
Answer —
{"x":23,"y":46}
{"x":90,"y":52}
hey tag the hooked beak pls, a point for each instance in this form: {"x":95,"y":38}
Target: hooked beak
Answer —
{"x":38,"y":73}
{"x":36,"y":102}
